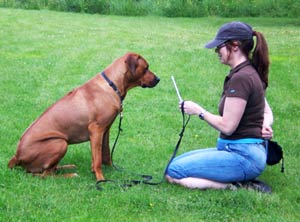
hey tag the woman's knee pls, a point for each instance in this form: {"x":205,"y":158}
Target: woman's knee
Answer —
{"x":175,"y":171}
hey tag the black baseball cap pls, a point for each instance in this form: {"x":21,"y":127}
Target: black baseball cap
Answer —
{"x":231,"y":31}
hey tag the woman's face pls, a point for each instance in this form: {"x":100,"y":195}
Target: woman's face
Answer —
{"x":223,"y":53}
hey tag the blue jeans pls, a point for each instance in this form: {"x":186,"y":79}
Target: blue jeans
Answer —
{"x":230,"y":161}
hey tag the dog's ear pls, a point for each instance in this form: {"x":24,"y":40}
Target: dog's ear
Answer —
{"x":132,"y":62}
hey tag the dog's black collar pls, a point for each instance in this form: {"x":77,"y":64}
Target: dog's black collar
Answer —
{"x":112,"y":85}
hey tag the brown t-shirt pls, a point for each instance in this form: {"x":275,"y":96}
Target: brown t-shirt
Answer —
{"x":244,"y":82}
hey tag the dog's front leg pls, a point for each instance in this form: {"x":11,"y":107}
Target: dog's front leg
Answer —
{"x":96,"y":138}
{"x":105,"y":149}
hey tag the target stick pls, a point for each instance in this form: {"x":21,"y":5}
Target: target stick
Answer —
{"x":176,"y":88}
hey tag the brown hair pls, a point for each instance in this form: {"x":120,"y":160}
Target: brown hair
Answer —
{"x":260,"y":55}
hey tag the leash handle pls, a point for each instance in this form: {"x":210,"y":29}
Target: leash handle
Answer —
{"x":182,"y":108}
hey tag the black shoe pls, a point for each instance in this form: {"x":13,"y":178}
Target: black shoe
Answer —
{"x":234,"y":186}
{"x":257,"y":185}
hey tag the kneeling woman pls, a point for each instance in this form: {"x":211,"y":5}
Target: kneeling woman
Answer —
{"x":244,"y":119}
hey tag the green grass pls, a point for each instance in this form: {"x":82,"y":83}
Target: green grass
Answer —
{"x":43,"y":55}
{"x":168,"y":8}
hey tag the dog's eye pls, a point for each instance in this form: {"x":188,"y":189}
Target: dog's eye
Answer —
{"x":146,"y":69}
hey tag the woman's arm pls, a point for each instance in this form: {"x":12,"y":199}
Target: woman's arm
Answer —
{"x":268,"y":114}
{"x":234,"y":108}
{"x":267,"y":131}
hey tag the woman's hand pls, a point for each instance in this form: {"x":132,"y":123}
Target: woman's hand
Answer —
{"x":267,"y":132}
{"x":191,"y":108}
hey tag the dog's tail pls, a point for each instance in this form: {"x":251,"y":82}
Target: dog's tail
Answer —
{"x":13,"y":162}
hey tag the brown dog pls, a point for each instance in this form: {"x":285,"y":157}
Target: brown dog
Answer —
{"x":86,"y":113}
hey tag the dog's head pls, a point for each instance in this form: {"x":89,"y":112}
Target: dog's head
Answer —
{"x":138,"y":72}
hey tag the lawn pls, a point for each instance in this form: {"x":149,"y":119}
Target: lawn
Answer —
{"x":44,"y":55}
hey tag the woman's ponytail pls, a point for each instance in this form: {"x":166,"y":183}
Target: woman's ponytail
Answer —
{"x":260,"y":57}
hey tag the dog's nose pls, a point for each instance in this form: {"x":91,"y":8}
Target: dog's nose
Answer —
{"x":155,"y":81}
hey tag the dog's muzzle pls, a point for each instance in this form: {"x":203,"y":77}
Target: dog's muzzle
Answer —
{"x":152,"y":84}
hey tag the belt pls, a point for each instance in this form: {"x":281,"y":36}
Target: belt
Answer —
{"x":245,"y":140}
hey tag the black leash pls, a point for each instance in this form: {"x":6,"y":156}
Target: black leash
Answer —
{"x":146,"y":179}
{"x":184,"y":124}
